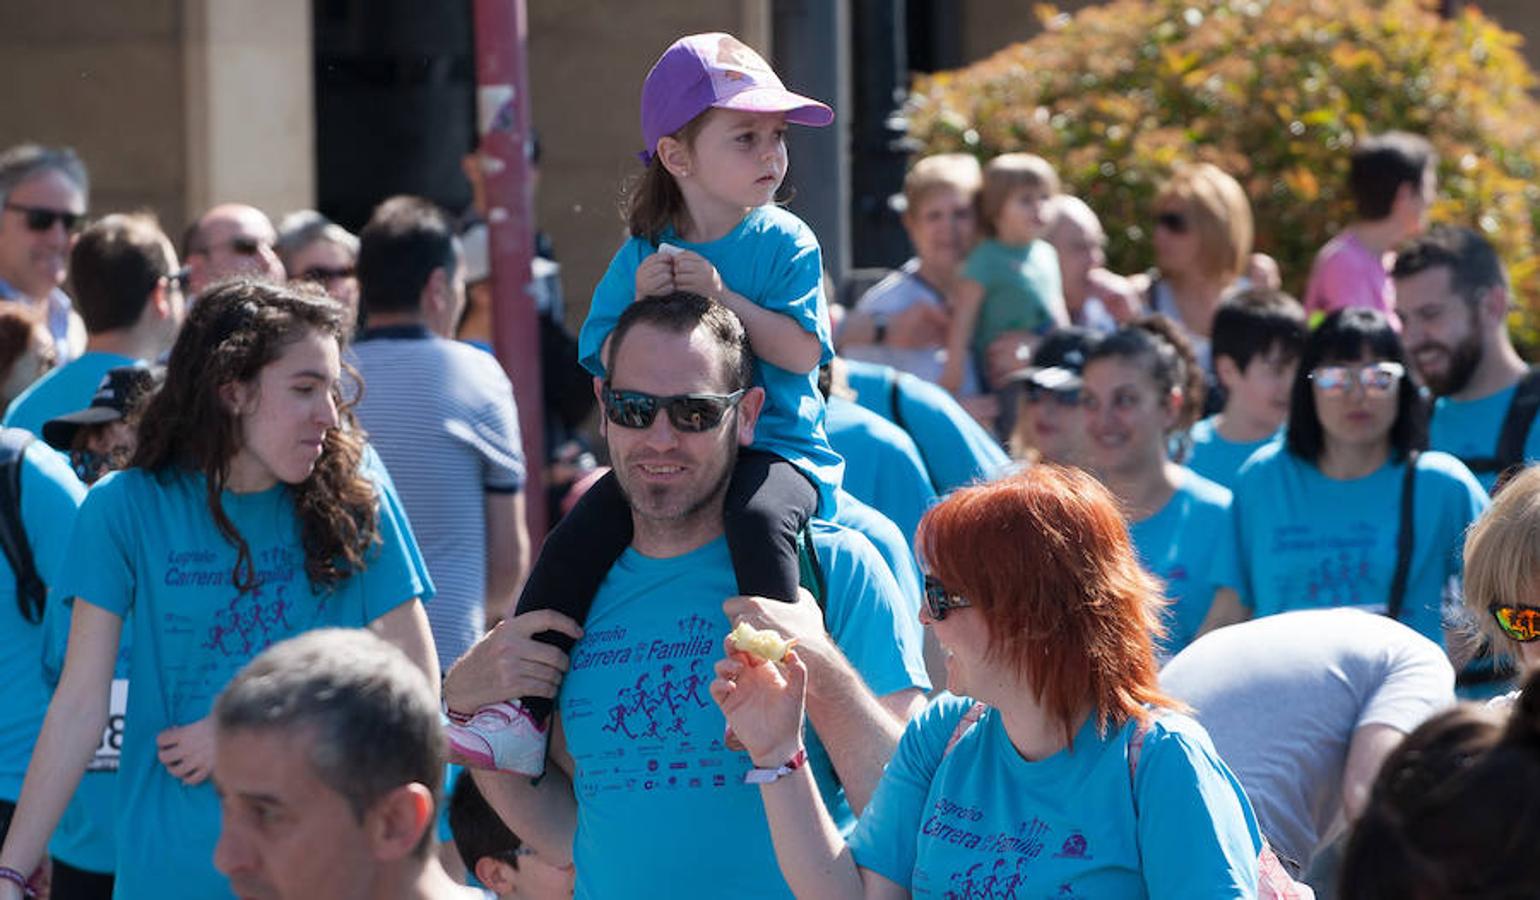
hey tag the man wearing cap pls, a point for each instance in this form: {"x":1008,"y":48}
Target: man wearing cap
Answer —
{"x":232,"y":240}
{"x":442,"y":416}
{"x":103,"y":436}
{"x":1050,"y":426}
{"x":43,"y":193}
{"x":129,"y":291}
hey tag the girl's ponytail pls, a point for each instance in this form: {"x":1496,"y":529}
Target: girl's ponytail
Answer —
{"x":651,"y":202}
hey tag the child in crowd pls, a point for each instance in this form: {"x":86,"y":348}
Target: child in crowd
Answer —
{"x":102,"y":437}
{"x":1257,"y":338}
{"x":505,"y":865}
{"x":1393,"y":182}
{"x":703,"y":220}
{"x":1015,"y":296}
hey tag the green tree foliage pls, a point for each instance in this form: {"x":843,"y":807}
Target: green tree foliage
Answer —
{"x":1275,"y":93}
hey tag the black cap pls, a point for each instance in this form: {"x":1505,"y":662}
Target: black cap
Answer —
{"x":1059,"y":359}
{"x":120,"y":391}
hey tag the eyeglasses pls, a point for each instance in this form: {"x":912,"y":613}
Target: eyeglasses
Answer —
{"x":692,"y":413}
{"x":1174,"y":222}
{"x":240,"y":245}
{"x":1377,"y":379}
{"x":180,"y":278}
{"x":1036,"y":393}
{"x":323,"y":274}
{"x":938,"y":600}
{"x":1522,"y":623}
{"x":40,"y":219}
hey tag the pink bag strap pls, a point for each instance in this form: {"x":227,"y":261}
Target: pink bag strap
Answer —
{"x":968,"y":720}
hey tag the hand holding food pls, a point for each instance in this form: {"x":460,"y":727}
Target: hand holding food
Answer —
{"x":766,"y":645}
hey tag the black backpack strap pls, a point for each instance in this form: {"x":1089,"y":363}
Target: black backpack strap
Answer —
{"x":1509,"y":452}
{"x":1404,"y":537}
{"x":30,"y":590}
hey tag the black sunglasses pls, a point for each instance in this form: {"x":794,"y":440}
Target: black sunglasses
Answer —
{"x":691,"y":413}
{"x":181,"y":277}
{"x":1036,"y":393}
{"x":240,"y":245}
{"x":938,"y":600}
{"x":41,"y":219}
{"x":323,"y":274}
{"x":1174,"y":222}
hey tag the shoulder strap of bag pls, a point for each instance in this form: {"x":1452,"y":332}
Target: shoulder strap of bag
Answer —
{"x":30,"y":590}
{"x":1404,"y":536}
{"x":1522,"y":409}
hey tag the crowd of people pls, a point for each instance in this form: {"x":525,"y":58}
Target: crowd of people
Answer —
{"x":1042,"y":579}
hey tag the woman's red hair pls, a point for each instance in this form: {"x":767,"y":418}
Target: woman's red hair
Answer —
{"x":1044,"y":556}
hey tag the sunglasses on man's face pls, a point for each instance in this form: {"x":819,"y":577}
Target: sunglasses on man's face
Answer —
{"x":1174,"y":222}
{"x":41,"y":219}
{"x":1377,"y":379}
{"x":691,"y":413}
{"x":1522,"y":623}
{"x":939,"y":600}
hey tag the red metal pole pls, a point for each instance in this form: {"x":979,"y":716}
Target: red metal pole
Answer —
{"x":502,"y":103}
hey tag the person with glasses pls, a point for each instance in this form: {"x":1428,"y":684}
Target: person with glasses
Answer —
{"x":43,"y":197}
{"x":1346,"y":511}
{"x":1141,"y":388}
{"x":642,"y":790}
{"x":1050,"y":426}
{"x":1054,"y":765}
{"x":503,"y":864}
{"x":232,"y":240}
{"x":1502,"y":569}
{"x":315,"y":250}
{"x":131,"y":293}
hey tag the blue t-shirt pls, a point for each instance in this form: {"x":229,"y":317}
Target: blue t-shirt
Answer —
{"x":64,"y":390}
{"x":882,"y":464}
{"x":955,"y":447}
{"x":1470,"y":429}
{"x":1217,"y":458}
{"x":772,"y":259}
{"x":155,"y":552}
{"x":981,"y":821}
{"x":50,"y":492}
{"x":661,"y":803}
{"x":890,"y":542}
{"x":1301,"y":540}
{"x":1176,"y":545}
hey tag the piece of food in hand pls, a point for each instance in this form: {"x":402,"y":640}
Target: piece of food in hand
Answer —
{"x":767,"y":645}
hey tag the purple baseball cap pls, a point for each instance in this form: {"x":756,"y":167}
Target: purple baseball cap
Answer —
{"x":702,"y":71}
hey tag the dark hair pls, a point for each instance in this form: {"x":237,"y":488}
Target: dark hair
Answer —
{"x":1454,"y":770}
{"x":1255,"y":321}
{"x":1379,"y":165}
{"x":1157,"y":344}
{"x":370,"y":714}
{"x":17,"y":325}
{"x":114,"y":268}
{"x":234,"y":331}
{"x":1344,"y":336}
{"x":651,"y":201}
{"x":406,"y":239}
{"x":681,"y":313}
{"x":478,"y":830}
{"x":21,"y":162}
{"x":1472,"y":261}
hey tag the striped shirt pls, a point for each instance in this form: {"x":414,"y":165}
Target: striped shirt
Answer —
{"x":442,"y":416}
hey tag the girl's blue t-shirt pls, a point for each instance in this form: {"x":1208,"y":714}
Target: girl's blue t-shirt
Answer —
{"x":981,"y":821}
{"x":156,"y":553}
{"x":771,"y":258}
{"x":1176,"y":545}
{"x":1301,"y":540}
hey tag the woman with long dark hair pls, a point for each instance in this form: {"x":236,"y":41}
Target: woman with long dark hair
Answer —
{"x":246,"y":516}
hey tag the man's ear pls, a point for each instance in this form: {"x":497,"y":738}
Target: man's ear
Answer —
{"x":436,"y":294}
{"x":674,"y":156}
{"x":1227,"y":371}
{"x":1494,"y":304}
{"x":497,"y":875}
{"x":1174,"y":401}
{"x":396,"y":823}
{"x":160,"y":299}
{"x":748,"y":414}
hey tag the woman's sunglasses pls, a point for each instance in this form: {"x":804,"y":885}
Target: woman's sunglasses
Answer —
{"x":40,"y":219}
{"x":1036,"y":393}
{"x":938,"y":600}
{"x":691,"y":413}
{"x":1522,"y":623}
{"x":1174,"y":222}
{"x":1377,"y":379}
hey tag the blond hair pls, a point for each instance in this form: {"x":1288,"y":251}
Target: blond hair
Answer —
{"x":1219,"y":210}
{"x":1008,"y":173}
{"x":1502,"y":555}
{"x":950,"y":171}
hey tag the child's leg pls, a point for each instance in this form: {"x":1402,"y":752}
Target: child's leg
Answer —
{"x":768,"y":501}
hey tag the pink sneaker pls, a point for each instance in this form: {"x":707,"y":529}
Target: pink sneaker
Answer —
{"x":501,"y":736}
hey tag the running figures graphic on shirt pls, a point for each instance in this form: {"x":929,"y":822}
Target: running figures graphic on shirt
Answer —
{"x":658,"y":701}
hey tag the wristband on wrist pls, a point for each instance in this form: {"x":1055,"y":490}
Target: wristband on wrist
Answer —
{"x":9,"y":874}
{"x":766,"y":776}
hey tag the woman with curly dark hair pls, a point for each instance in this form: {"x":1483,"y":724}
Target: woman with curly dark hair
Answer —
{"x":248,"y":515}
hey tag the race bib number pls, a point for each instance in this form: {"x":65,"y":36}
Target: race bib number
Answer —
{"x":106,"y":758}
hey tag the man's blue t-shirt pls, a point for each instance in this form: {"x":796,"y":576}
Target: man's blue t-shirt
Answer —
{"x":156,"y":553}
{"x":882,"y":464}
{"x":661,"y":803}
{"x":1217,"y":458}
{"x":889,"y":541}
{"x":981,"y":821}
{"x":50,"y":492}
{"x":1470,"y":428}
{"x":772,"y":259}
{"x":954,"y":446}
{"x":1176,"y":545}
{"x":1301,"y":540}
{"x":64,"y":390}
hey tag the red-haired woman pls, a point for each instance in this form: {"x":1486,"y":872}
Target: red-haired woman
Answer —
{"x":1067,"y":772}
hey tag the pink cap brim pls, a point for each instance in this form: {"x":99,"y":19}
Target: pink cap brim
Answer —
{"x":799,"y":110}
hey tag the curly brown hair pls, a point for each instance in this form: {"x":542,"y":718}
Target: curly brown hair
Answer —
{"x":232,"y":333}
